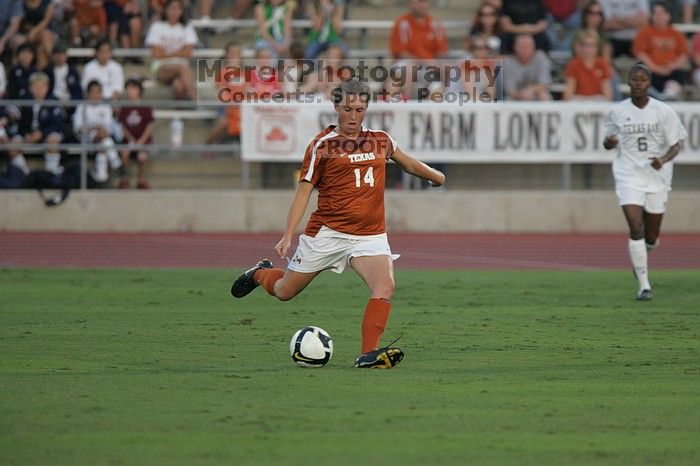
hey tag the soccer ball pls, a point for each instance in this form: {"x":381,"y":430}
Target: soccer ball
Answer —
{"x":311,"y":347}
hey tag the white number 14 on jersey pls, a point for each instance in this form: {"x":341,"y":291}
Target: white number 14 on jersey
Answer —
{"x":368,"y":178}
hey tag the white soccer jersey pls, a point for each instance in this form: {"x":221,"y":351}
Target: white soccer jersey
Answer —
{"x":643,"y":133}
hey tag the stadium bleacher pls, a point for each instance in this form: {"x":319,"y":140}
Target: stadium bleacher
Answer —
{"x":367,"y":35}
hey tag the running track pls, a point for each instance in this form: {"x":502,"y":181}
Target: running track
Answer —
{"x":418,"y":250}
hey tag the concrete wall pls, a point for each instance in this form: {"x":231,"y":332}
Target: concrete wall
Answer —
{"x":258,"y":211}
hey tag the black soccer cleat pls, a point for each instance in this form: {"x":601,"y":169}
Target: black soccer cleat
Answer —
{"x":245,"y":283}
{"x":382,"y":358}
{"x":644,"y":295}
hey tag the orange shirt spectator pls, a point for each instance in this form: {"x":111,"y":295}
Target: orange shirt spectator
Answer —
{"x":90,"y":13}
{"x":417,"y":34}
{"x":662,"y":45}
{"x":589,"y":81}
{"x":588,"y":75}
{"x":235,"y":82}
{"x":664,"y":50}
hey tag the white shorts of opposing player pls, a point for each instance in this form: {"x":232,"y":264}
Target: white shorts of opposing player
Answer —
{"x":332,"y":250}
{"x":638,"y":183}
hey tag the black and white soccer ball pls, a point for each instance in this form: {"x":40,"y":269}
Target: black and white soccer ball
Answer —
{"x":311,"y":347}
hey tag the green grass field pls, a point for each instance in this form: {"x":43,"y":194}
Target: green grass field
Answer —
{"x":151,"y":367}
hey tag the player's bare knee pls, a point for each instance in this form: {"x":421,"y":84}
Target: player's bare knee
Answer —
{"x":384,"y":291}
{"x":283,"y":295}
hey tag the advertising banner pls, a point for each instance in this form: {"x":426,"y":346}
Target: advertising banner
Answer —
{"x":512,"y":132}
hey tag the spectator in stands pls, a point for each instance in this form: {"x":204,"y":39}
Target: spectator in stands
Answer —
{"x":15,"y":174}
{"x":88,"y":25}
{"x":137,"y":125}
{"x":664,"y":50}
{"x":523,"y":17}
{"x":682,"y":10}
{"x":417,"y":39}
{"x":233,"y":80}
{"x":42,"y":121}
{"x":622,"y":20}
{"x":695,"y":54}
{"x":592,"y":18}
{"x":274,"y":30}
{"x":486,"y":23}
{"x":64,"y":78}
{"x":17,"y":169}
{"x":528,"y":71}
{"x":474,"y":70}
{"x":155,"y":9}
{"x":10,"y":117}
{"x":124,"y":22}
{"x":238,"y":10}
{"x":93,"y":121}
{"x":172,"y":40}
{"x":35,"y":29}
{"x":11,"y":14}
{"x":326,"y":26}
{"x":20,"y":73}
{"x":587,"y":74}
{"x":564,"y":18}
{"x":293,"y":70}
{"x":262,"y":83}
{"x":330,"y":74}
{"x":417,"y":36}
{"x":241,"y":7}
{"x":105,"y":70}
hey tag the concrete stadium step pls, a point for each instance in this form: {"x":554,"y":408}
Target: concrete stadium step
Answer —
{"x":219,"y":172}
{"x":195,"y":131}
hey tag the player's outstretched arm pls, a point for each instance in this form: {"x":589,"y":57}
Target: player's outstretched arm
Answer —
{"x":417,"y":168}
{"x":296,"y":212}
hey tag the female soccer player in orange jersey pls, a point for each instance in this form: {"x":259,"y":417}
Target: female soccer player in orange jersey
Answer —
{"x":346,"y":163}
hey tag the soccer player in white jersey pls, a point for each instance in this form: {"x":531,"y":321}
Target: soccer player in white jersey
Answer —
{"x":648,"y":135}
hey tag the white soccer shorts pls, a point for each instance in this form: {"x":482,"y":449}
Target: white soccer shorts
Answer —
{"x":332,"y":250}
{"x":654,"y":203}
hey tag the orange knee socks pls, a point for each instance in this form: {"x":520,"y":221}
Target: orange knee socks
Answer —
{"x":267,"y":278}
{"x":373,"y":323}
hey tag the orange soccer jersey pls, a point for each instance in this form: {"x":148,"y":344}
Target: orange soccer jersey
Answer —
{"x":349,"y":175}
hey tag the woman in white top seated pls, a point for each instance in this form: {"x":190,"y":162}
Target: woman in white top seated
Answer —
{"x":172,"y":40}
